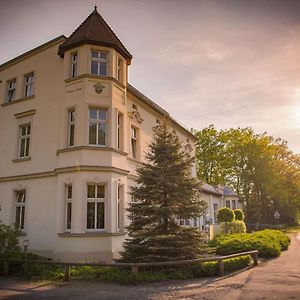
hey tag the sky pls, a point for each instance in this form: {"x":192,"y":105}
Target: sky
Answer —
{"x":224,"y":62}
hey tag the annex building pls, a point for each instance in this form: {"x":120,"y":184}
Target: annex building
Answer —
{"x":73,"y":133}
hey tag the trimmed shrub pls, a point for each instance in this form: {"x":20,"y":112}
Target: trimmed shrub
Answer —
{"x":233,"y":227}
{"x":9,"y":244}
{"x":230,"y":265}
{"x":239,"y":215}
{"x":269,"y":243}
{"x":225,"y":215}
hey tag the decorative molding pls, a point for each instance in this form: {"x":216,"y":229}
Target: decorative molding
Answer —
{"x":64,"y":170}
{"x":188,"y":147}
{"x":17,"y":101}
{"x":77,"y":148}
{"x":91,"y":234}
{"x":90,"y":168}
{"x":108,"y":78}
{"x":135,"y":115}
{"x":25,"y":113}
{"x":99,"y":87}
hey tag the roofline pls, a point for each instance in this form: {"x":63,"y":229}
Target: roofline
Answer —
{"x":203,"y":190}
{"x":32,"y":51}
{"x":157,"y":108}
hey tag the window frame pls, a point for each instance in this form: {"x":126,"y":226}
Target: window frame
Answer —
{"x":29,"y":83}
{"x":119,"y":71}
{"x":134,"y":141}
{"x":74,"y":64}
{"x":11,"y":88}
{"x":71,"y":123}
{"x":22,"y":206}
{"x":98,"y":122}
{"x":26,"y":137}
{"x":96,"y":200}
{"x":99,"y":60}
{"x":68,"y":202}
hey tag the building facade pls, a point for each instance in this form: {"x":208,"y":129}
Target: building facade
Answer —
{"x":73,"y":133}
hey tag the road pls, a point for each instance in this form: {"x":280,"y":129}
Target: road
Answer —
{"x":275,"y":279}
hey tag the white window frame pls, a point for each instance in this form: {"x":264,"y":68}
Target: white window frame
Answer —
{"x":235,"y":204}
{"x":96,"y":200}
{"x":226,"y":202}
{"x":68,"y":202}
{"x":11,"y":90}
{"x":22,"y":206}
{"x":99,"y":60}
{"x":134,"y":142}
{"x":71,"y":123}
{"x":119,"y":207}
{"x":26,"y":138}
{"x":98,"y":122}
{"x":74,"y":64}
{"x":119,"y":69}
{"x":28,"y":85}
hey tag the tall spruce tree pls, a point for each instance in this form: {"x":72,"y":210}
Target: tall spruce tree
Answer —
{"x":164,"y":194}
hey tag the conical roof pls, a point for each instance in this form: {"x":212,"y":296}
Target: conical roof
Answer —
{"x":94,"y":30}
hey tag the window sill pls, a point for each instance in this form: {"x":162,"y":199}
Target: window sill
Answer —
{"x":90,"y":147}
{"x":135,"y":160}
{"x":21,"y":159}
{"x":18,"y":100}
{"x":91,"y":234}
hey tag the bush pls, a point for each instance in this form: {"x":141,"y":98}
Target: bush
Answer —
{"x":225,"y":215}
{"x":239,"y":215}
{"x":233,"y":227}
{"x":230,"y":265}
{"x":269,"y":243}
{"x":9,"y":244}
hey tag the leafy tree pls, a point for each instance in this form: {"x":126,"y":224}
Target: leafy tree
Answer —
{"x":225,"y":215}
{"x":262,"y":170}
{"x":239,"y":215}
{"x":165,"y":193}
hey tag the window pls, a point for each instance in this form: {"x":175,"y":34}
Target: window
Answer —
{"x":68,"y":207}
{"x":95,"y":207}
{"x":71,"y":127}
{"x":215,"y":212}
{"x":11,"y":90}
{"x":195,"y":222}
{"x":20,"y":209}
{"x":99,"y":63}
{"x":119,"y":69}
{"x":227,"y":203}
{"x":97,"y":126}
{"x":233,"y":204}
{"x":119,"y":196}
{"x":119,"y":131}
{"x":74,"y":64}
{"x":28,"y":85}
{"x":133,"y":142}
{"x":24,"y":140}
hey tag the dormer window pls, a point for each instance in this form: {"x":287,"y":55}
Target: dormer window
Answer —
{"x":99,"y":63}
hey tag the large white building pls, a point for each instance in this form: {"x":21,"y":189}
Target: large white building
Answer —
{"x":73,"y":133}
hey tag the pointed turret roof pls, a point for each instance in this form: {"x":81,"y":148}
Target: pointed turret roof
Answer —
{"x":94,"y":30}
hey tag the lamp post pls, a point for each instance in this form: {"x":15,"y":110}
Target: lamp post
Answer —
{"x":276,"y":216}
{"x":25,"y":247}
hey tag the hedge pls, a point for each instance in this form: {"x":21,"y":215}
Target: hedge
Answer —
{"x":269,"y":243}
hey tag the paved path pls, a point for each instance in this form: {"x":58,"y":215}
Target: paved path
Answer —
{"x":275,"y":279}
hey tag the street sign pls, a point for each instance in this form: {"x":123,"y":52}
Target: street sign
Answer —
{"x":276,"y":215}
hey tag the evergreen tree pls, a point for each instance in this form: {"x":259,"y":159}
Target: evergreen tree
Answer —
{"x":164,"y":194}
